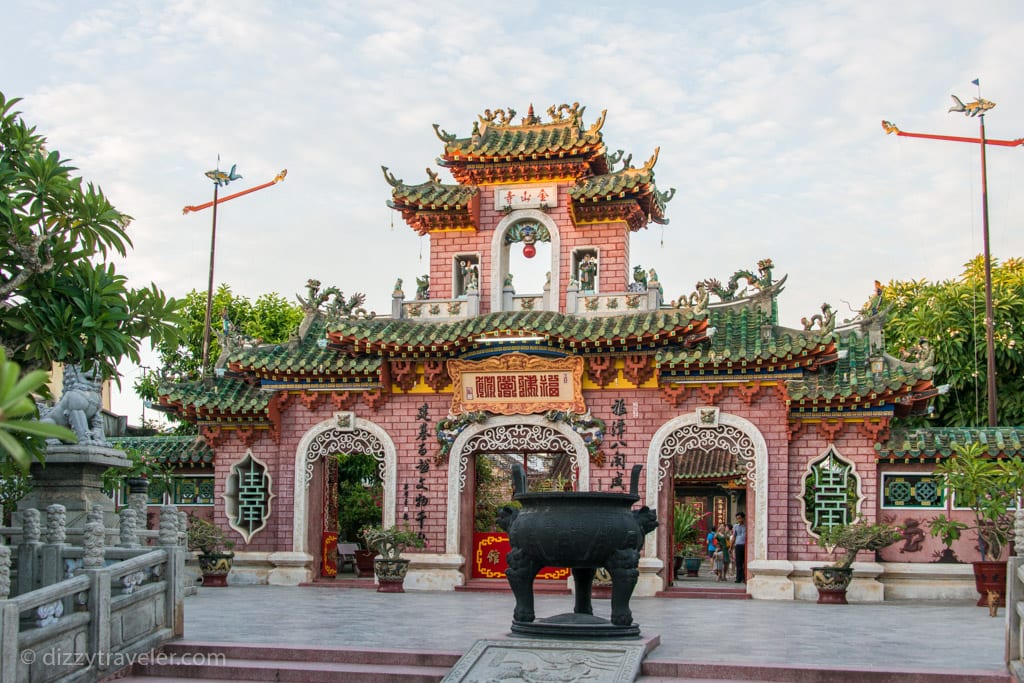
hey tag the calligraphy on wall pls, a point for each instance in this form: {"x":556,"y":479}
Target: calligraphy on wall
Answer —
{"x":517,"y":384}
{"x":519,"y":197}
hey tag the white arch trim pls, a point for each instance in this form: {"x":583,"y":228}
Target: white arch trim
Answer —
{"x":760,"y":478}
{"x":300,"y":502}
{"x":457,"y":463}
{"x":499,"y":255}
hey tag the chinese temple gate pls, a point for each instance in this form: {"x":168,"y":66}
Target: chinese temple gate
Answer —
{"x":577,"y":380}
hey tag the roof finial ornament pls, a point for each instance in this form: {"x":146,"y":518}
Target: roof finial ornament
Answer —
{"x":530,"y":119}
{"x":615,"y":158}
{"x":442,"y":134}
{"x":434,"y":177}
{"x":666,"y":197}
{"x":390,"y":177}
{"x":599,"y":123}
{"x":559,"y":112}
{"x":499,"y":116}
{"x":653,"y":160}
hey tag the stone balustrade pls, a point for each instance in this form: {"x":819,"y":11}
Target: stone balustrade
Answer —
{"x":81,"y":611}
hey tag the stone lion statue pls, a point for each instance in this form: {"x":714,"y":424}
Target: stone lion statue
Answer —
{"x":79,"y":406}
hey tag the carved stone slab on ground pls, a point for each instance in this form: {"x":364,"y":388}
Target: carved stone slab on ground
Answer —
{"x":517,"y":659}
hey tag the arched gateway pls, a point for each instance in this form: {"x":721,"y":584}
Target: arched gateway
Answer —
{"x":707,"y":429}
{"x":600,"y":367}
{"x":327,"y":439}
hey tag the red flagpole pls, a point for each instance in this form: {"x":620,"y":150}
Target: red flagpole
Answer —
{"x":278,"y":178}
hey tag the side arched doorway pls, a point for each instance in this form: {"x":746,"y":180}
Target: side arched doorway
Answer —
{"x":313,"y":497}
{"x":706,"y":431}
{"x":507,"y":437}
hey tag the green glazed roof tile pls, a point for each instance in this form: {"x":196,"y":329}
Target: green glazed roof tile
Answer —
{"x":935,"y":443}
{"x":170,"y":450}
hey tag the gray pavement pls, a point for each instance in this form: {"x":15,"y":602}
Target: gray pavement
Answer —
{"x":905,"y":635}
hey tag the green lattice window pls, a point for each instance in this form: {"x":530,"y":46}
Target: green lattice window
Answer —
{"x":912,"y":491}
{"x":193,"y":490}
{"x":831,"y":492}
{"x":247,"y":496}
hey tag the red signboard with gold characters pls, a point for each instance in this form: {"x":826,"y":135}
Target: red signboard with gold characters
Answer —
{"x":517,"y":384}
{"x":489,"y":551}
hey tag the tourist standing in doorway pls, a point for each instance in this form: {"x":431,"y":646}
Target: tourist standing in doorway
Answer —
{"x":740,"y":546}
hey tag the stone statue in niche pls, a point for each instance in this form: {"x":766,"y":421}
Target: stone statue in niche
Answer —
{"x":470,"y":276}
{"x":588,"y":273}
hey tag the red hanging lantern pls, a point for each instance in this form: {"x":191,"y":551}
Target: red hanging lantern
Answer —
{"x":529,"y":251}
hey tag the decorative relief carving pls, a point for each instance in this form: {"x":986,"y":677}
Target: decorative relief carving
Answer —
{"x":333,"y":441}
{"x":521,"y":438}
{"x":694,"y":437}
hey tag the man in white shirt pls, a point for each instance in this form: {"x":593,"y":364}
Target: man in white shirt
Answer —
{"x":740,"y":546}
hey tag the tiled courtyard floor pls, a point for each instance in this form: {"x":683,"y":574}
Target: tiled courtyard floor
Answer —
{"x":896,"y":635}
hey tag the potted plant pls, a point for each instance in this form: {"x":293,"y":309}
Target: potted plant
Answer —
{"x":686,"y":543}
{"x":214,"y":548}
{"x":990,"y":488}
{"x":389,"y":543}
{"x":833,"y":580}
{"x":145,"y":474}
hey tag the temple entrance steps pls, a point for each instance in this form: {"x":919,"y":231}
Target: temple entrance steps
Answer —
{"x":655,"y":671}
{"x":721,"y":591}
{"x":501,"y":586}
{"x":215,"y":662}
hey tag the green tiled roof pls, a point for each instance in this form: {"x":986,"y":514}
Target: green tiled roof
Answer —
{"x":936,"y":443}
{"x":634,"y":183}
{"x":225,"y":395}
{"x":307,"y":359}
{"x":555,"y":139}
{"x":738,"y":340}
{"x":431,"y":195}
{"x":563,"y":331}
{"x":850,"y":377}
{"x":170,"y":450}
{"x":717,"y":463}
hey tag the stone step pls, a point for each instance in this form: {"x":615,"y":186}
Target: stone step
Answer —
{"x":706,"y":591}
{"x":691,"y":672}
{"x":545,"y":587}
{"x":234,"y":662}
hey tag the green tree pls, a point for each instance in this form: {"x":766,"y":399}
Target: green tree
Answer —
{"x":60,"y":302}
{"x":950,"y":317}
{"x":271,"y":319}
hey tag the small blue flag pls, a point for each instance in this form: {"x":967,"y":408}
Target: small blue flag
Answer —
{"x":976,"y":81}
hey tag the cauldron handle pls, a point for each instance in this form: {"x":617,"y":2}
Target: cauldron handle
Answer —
{"x":518,"y":479}
{"x":634,"y":480}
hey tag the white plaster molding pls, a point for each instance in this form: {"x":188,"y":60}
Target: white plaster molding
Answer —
{"x":770,"y":580}
{"x":759,"y":551}
{"x":300,"y":501}
{"x":499,"y":253}
{"x":434,"y":572}
{"x":230,"y":495}
{"x":799,"y":496}
{"x":457,"y":464}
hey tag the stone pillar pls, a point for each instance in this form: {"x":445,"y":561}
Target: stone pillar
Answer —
{"x":73,"y":477}
{"x":94,"y":543}
{"x":5,"y":572}
{"x":473,"y":302}
{"x":29,"y":551}
{"x":397,"y":299}
{"x":129,"y":531}
{"x":572,"y":298}
{"x":653,"y":295}
{"x":507,"y":294}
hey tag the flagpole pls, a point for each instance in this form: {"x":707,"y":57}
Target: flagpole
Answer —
{"x":990,"y":342}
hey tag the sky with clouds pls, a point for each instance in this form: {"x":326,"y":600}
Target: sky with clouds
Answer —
{"x":767,"y":114}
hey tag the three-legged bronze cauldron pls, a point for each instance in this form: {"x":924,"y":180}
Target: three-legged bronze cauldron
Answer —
{"x":582,"y":530}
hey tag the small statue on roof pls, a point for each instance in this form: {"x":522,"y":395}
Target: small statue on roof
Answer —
{"x":826,"y":320}
{"x":470,"y":276}
{"x":639,"y":283}
{"x":423,"y":287}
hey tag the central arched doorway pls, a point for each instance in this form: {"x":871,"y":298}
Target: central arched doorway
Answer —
{"x":704,"y":433}
{"x":552,"y":450}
